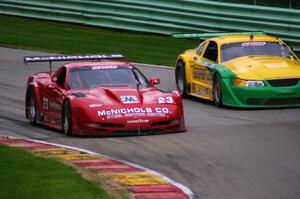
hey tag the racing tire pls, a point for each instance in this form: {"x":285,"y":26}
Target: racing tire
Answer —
{"x":67,"y":119}
{"x":217,"y":91}
{"x":31,"y":107}
{"x":180,"y":78}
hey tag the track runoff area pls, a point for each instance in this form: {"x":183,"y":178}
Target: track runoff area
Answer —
{"x":141,"y":182}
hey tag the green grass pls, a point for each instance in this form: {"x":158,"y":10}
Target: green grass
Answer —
{"x":26,"y":176}
{"x":75,"y":39}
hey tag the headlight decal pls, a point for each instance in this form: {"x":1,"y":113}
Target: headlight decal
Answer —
{"x":248,"y":83}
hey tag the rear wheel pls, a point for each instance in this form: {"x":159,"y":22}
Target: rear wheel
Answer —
{"x":180,"y":78}
{"x":217,"y":90}
{"x":67,"y":119}
{"x":31,"y":107}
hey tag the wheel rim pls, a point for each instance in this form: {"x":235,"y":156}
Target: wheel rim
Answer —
{"x":32,"y":106}
{"x":180,"y":81}
{"x":217,"y":91}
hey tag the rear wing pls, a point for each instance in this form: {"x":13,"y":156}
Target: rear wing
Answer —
{"x":57,"y":58}
{"x":211,"y":35}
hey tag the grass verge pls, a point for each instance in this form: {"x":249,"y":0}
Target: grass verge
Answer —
{"x":26,"y":176}
{"x":74,"y":39}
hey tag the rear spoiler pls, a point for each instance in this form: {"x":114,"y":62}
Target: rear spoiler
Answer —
{"x":56,"y":58}
{"x":211,"y":35}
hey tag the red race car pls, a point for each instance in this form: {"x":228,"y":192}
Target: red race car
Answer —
{"x":100,"y":94}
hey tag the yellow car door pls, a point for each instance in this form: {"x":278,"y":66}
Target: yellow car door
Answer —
{"x":201,"y":84}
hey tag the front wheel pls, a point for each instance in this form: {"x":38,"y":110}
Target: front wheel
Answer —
{"x":180,"y":78}
{"x":31,"y":107}
{"x":67,"y":119}
{"x":217,"y":90}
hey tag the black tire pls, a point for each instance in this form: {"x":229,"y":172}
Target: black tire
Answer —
{"x":67,"y":119}
{"x":217,"y":90}
{"x":31,"y":107}
{"x":180,"y":78}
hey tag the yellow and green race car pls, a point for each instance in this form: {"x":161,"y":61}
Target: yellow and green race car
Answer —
{"x":239,"y":69}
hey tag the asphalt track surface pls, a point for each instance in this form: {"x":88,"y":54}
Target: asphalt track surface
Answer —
{"x":225,"y":154}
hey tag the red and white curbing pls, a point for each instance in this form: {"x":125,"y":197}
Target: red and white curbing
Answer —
{"x":143,"y":183}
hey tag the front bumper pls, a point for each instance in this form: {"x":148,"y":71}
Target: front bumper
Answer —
{"x":129,"y":124}
{"x":260,"y":97}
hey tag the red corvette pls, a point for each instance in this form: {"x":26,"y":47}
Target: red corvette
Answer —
{"x":100,"y":95}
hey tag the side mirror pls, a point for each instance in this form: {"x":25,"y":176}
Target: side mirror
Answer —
{"x":53,"y":78}
{"x":154,"y":81}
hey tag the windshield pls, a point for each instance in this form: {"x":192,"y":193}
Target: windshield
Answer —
{"x":235,"y":50}
{"x":94,"y":76}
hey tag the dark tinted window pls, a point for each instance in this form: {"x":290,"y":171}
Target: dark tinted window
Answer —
{"x":61,"y":78}
{"x":211,"y":51}
{"x":95,"y":76}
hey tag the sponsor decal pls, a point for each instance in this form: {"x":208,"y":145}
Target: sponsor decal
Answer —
{"x":197,"y":90}
{"x":129,"y":112}
{"x":138,"y":121}
{"x":134,"y":114}
{"x":201,"y":92}
{"x":55,"y":107}
{"x":114,"y":116}
{"x":201,"y":74}
{"x":208,"y":64}
{"x":95,"y":105}
{"x":205,"y":91}
{"x":255,"y":43}
{"x":130,"y":99}
{"x":103,"y":67}
{"x":166,"y":100}
{"x":156,"y":114}
{"x":45,"y":103}
{"x":72,"y":57}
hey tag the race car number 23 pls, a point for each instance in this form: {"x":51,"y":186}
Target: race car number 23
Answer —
{"x":165,"y":100}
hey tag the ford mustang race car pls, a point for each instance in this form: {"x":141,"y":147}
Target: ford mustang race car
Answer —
{"x":100,"y":95}
{"x":240,"y":70}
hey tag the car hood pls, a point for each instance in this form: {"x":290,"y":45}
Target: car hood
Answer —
{"x":264,"y":67}
{"x":118,"y":96}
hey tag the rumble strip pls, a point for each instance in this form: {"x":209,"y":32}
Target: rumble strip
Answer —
{"x":140,"y":181}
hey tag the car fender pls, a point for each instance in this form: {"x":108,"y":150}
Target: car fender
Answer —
{"x":178,"y":100}
{"x":179,"y":103}
{"x":222,"y":71}
{"x":227,"y":77}
{"x":187,"y":61}
{"x":79,"y":114}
